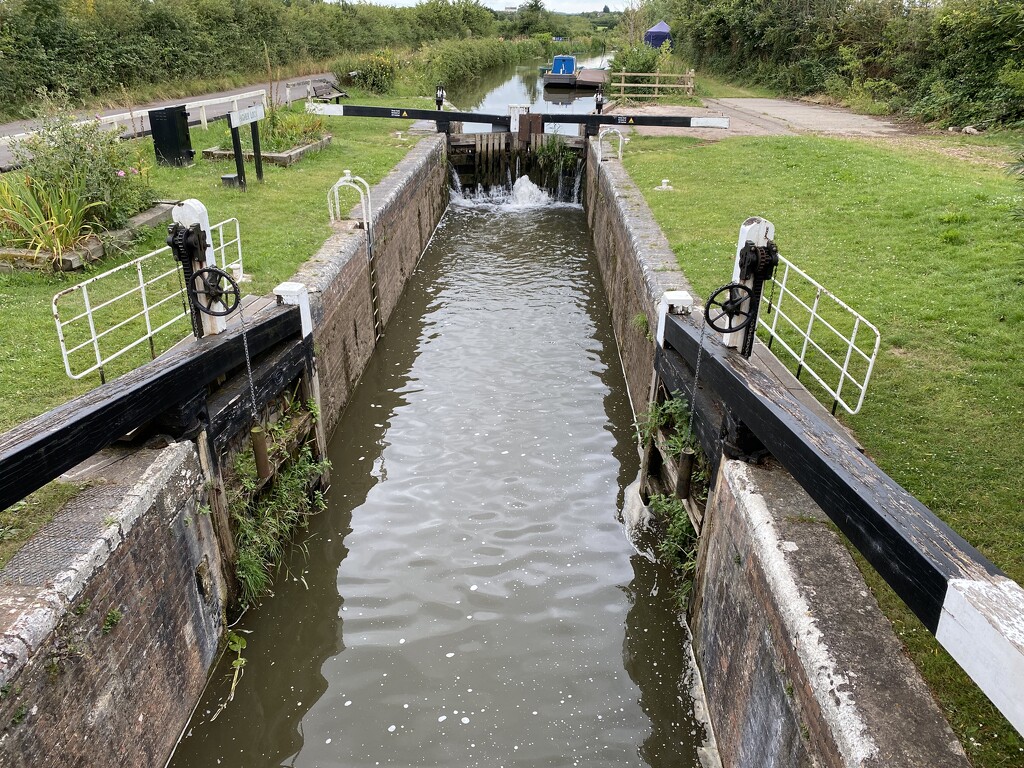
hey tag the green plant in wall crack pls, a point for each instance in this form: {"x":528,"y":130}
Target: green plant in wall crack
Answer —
{"x":677,"y":548}
{"x":642,"y":324}
{"x":112,"y":619}
{"x":19,"y":714}
{"x":264,"y":527}
{"x":671,"y":415}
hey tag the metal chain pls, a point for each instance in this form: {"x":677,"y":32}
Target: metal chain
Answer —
{"x":181,"y":287}
{"x":696,"y":374}
{"x":771,"y":295}
{"x":248,"y":364}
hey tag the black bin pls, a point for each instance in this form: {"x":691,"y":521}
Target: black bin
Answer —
{"x":171,"y":138}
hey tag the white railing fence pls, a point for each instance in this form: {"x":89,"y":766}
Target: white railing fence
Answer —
{"x":823,"y":335}
{"x":104,"y":317}
{"x":600,"y":141}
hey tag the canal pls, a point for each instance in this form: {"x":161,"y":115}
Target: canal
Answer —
{"x":522,"y":84}
{"x":469,"y":596}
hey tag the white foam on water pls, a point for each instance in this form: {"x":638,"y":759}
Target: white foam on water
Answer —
{"x":521,"y":196}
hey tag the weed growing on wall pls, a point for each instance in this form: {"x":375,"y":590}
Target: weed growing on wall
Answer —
{"x":671,"y":416}
{"x":111,"y":620}
{"x":677,"y":547}
{"x":264,"y":524}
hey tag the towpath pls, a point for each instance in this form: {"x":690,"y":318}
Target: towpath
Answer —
{"x":781,"y":117}
{"x":218,"y":110}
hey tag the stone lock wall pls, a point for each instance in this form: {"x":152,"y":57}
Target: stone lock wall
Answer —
{"x":800,"y":666}
{"x":111,"y":620}
{"x":407,"y":206}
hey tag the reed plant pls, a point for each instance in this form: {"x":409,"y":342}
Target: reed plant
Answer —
{"x":44,"y":217}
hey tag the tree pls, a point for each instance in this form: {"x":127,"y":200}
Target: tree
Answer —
{"x":606,"y":9}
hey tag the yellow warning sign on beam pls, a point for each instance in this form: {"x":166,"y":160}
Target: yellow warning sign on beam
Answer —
{"x":405,"y":114}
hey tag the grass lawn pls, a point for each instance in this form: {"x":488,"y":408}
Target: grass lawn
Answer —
{"x":283,"y":222}
{"x":712,"y":87}
{"x":922,"y":245}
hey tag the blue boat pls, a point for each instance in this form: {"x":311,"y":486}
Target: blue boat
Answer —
{"x":562,"y":71}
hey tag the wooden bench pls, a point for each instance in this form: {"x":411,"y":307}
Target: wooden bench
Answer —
{"x":325,"y":91}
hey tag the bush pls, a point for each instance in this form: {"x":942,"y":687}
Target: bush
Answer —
{"x":113,"y":173}
{"x":637,"y":58}
{"x":374,"y":72}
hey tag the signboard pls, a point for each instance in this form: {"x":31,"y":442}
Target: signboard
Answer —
{"x":248,"y":115}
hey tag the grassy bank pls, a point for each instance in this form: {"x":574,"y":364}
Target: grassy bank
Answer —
{"x":283,"y":222}
{"x":924,"y":246}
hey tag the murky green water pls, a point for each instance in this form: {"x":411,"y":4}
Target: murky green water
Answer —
{"x":469,"y":597}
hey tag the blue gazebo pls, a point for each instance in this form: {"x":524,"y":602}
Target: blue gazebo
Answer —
{"x":657,"y":35}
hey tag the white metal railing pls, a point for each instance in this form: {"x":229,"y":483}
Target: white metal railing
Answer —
{"x":600,"y":142}
{"x":134,"y":121}
{"x":149,"y":290}
{"x":360,"y":186}
{"x":261,"y":94}
{"x":813,"y":339}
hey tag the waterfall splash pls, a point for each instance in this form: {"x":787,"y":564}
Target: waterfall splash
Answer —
{"x":520,"y":193}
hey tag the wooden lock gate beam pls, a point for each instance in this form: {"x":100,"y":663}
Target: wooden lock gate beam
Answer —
{"x":971,"y":607}
{"x":40,"y":449}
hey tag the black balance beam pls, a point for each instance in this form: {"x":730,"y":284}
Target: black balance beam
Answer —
{"x":912,"y":549}
{"x":35,"y":452}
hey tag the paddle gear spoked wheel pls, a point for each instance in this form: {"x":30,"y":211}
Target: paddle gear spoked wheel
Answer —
{"x":734,"y":307}
{"x":216,"y":292}
{"x":209,"y":290}
{"x":728,"y":309}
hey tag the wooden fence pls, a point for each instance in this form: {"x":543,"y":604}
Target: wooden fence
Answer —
{"x":650,"y":85}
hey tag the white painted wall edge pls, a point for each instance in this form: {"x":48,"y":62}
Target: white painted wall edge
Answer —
{"x":709,"y":122}
{"x":315,"y":108}
{"x":982,"y":627}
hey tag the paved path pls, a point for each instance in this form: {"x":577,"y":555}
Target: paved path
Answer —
{"x":281,"y":96}
{"x":800,"y":117}
{"x":770,"y":117}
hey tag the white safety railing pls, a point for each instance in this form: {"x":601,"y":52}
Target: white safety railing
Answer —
{"x":600,"y":142}
{"x":835,"y":344}
{"x":233,"y":100}
{"x":135,"y":122}
{"x":363,"y":188}
{"x":118,"y":310}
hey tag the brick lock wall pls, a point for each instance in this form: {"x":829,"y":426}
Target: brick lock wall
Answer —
{"x":407,"y":206}
{"x":106,"y":692}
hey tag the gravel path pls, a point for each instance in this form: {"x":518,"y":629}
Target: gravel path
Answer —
{"x":769,"y":117}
